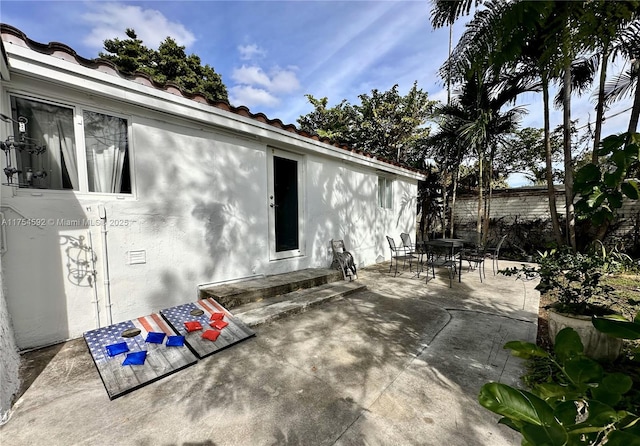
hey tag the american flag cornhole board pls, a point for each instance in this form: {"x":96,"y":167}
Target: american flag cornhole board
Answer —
{"x":161,"y":360}
{"x":201,"y":311}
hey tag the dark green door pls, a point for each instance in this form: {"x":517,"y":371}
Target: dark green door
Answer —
{"x":285,"y":198}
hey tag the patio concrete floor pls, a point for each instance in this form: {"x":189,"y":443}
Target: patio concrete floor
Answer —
{"x":398,"y":364}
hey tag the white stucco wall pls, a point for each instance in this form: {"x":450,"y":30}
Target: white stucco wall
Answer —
{"x":199,"y":214}
{"x":9,"y":358}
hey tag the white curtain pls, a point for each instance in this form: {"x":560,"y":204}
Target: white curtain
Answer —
{"x":106,"y":147}
{"x":53,"y":126}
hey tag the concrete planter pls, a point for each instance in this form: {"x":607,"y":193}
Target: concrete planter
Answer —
{"x":597,"y":345}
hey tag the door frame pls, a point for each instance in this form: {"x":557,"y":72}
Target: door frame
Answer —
{"x":300,"y":160}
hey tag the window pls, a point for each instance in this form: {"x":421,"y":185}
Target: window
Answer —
{"x":51,"y":126}
{"x":97,"y":160}
{"x":105,"y":140}
{"x":385,"y":192}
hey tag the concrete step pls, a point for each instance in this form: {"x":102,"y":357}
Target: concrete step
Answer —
{"x":254,"y":290}
{"x":262,"y":312}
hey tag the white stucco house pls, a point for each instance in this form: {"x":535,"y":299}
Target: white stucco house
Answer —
{"x":192,"y":193}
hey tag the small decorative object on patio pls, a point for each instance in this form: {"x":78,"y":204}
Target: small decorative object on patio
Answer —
{"x":135,"y":358}
{"x":216,"y":316}
{"x":175,"y":341}
{"x":107,"y":344}
{"x":192,"y":326}
{"x":234,"y":332}
{"x":344,"y":260}
{"x":155,"y":337}
{"x":116,"y":349}
{"x":211,"y":335}
{"x":219,"y":325}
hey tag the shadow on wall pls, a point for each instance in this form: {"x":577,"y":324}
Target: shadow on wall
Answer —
{"x":345,"y":210}
{"x":209,"y":196}
{"x":49,"y":284}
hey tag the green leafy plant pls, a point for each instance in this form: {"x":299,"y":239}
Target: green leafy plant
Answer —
{"x":618,"y":326}
{"x":574,"y":279}
{"x":602,"y":187}
{"x":580,"y":404}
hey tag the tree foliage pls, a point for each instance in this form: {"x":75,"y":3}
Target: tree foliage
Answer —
{"x":168,"y":64}
{"x":336,"y":123}
{"x":524,"y":153}
{"x":550,"y":42}
{"x":386,"y":124}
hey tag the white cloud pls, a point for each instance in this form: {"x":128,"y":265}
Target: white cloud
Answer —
{"x":250,"y":96}
{"x":255,"y":87}
{"x":251,"y":75}
{"x":252,"y":51}
{"x":110,"y":20}
{"x":284,"y":81}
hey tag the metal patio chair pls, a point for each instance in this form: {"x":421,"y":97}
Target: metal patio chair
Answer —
{"x":398,"y":253}
{"x":443,"y":256}
{"x":409,"y":247}
{"x":475,"y":258}
{"x":493,"y":252}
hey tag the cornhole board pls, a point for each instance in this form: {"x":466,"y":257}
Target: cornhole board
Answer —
{"x":161,"y":360}
{"x":201,"y":311}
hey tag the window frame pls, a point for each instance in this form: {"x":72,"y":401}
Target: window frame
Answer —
{"x":385,"y":192}
{"x":78,"y":110}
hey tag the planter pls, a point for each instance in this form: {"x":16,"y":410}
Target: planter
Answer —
{"x":597,"y":345}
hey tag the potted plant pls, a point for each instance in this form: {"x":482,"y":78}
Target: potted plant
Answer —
{"x":573,"y":281}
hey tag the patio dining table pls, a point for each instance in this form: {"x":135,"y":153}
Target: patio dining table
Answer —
{"x":449,"y":246}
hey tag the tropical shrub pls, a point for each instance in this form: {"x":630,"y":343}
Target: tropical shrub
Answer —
{"x":580,"y":404}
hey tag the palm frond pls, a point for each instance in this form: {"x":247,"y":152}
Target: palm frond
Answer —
{"x":445,"y":12}
{"x":621,"y":86}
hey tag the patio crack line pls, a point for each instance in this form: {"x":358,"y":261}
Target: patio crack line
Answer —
{"x":404,"y":369}
{"x":487,"y":313}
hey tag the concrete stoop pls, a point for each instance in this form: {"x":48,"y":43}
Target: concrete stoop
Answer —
{"x":259,"y":301}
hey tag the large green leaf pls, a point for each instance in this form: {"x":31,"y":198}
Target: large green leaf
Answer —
{"x":596,"y":197}
{"x":612,"y":387}
{"x":611,"y":143}
{"x":586,"y":176}
{"x":615,"y":199}
{"x":617,"y":326}
{"x":526,"y":350}
{"x":583,"y":370}
{"x":622,"y":438}
{"x":545,"y":435}
{"x":516,"y":404}
{"x":551,"y":392}
{"x":567,"y":344}
{"x":630,"y":189}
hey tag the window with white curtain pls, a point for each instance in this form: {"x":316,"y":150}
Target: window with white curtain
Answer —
{"x":99,"y":154}
{"x":52,"y":126}
{"x":385,"y":192}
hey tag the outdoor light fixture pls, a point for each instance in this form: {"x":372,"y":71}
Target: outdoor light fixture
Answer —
{"x":22,"y":143}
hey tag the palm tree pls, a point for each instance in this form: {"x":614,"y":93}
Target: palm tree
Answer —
{"x":497,"y":37}
{"x":448,"y":150}
{"x":626,"y":83}
{"x":611,"y":27}
{"x":475,"y":121}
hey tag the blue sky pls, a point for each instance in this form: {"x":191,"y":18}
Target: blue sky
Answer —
{"x":271,"y":53}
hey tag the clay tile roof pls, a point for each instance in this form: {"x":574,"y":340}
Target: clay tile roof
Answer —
{"x":15,"y":36}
